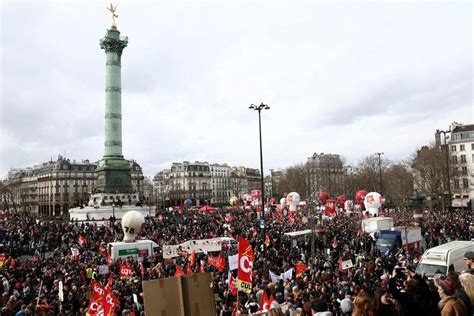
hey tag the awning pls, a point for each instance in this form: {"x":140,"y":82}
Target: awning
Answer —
{"x":459,"y":202}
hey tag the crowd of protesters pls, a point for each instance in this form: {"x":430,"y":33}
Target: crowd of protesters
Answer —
{"x":38,"y":256}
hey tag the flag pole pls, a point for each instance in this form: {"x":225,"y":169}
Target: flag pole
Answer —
{"x":39,"y":293}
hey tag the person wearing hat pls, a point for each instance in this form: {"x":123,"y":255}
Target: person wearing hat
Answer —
{"x":469,"y":261}
{"x":449,"y":303}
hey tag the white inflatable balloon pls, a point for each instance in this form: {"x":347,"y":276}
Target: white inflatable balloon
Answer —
{"x":293,"y":199}
{"x":372,"y":202}
{"x":132,"y":223}
{"x":348,"y":205}
{"x":283,"y":202}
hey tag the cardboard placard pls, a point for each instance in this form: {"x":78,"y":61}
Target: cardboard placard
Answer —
{"x":187,"y":295}
{"x":163,"y":297}
{"x":198,"y":295}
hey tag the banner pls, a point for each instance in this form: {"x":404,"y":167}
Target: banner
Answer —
{"x":198,"y":246}
{"x":233,"y":262}
{"x":246,"y":259}
{"x":125,"y":271}
{"x":266,"y":302}
{"x":288,"y":275}
{"x":275,"y":278}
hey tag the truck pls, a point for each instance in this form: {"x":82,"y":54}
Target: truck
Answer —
{"x":375,"y":224}
{"x":399,"y":237}
{"x":444,"y":258}
{"x":137,"y":249}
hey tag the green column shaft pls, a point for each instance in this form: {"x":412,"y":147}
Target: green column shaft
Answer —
{"x":113,"y":106}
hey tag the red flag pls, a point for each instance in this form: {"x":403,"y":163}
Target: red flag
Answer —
{"x":299,"y":268}
{"x":95,"y":308}
{"x":192,"y":258}
{"x":125,"y":271}
{"x":334,"y":243}
{"x":266,"y":302}
{"x":108,"y":286}
{"x":360,"y":233}
{"x":82,"y":240}
{"x":142,"y":269}
{"x":179,"y":270}
{"x":189,"y":268}
{"x":231,"y":284}
{"x":201,"y":268}
{"x":102,"y":249}
{"x":245,"y":260}
{"x":218,"y":262}
{"x":97,"y":290}
{"x":110,"y":303}
{"x":339,"y":263}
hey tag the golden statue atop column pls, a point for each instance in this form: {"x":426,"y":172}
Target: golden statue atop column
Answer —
{"x":112,"y":10}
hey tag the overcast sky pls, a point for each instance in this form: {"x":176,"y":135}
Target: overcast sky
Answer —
{"x":350,"y":78}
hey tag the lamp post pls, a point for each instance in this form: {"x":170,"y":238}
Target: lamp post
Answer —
{"x":447,"y":164}
{"x":259,"y":109}
{"x":380,"y":172}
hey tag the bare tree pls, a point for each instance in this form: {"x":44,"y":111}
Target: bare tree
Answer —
{"x":429,"y":169}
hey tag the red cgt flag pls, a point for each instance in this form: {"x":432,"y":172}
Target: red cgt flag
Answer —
{"x":125,"y":271}
{"x":245,"y":260}
{"x":266,"y":302}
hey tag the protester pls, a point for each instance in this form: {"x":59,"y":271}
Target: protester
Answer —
{"x":42,"y":252}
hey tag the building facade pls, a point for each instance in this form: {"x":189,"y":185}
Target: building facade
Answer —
{"x":326,"y":173}
{"x":220,"y":179}
{"x":461,"y":150}
{"x":53,"y":187}
{"x":189,"y":180}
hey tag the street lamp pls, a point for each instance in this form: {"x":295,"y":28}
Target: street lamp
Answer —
{"x":380,"y":172}
{"x":259,"y":108}
{"x":447,"y":163}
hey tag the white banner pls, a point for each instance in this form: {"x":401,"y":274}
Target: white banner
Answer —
{"x":275,"y":278}
{"x":61,"y":293}
{"x":199,"y":246}
{"x":288,"y":275}
{"x":347,"y":264}
{"x":233,"y":262}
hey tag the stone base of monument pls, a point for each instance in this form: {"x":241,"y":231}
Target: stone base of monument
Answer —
{"x":103,"y":206}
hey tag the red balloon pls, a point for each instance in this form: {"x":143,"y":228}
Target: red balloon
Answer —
{"x":341,"y":199}
{"x":360,"y":195}
{"x":323,"y":196}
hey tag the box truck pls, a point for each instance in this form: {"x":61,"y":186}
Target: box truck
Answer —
{"x":137,"y":249}
{"x":399,"y":237}
{"x":444,"y":258}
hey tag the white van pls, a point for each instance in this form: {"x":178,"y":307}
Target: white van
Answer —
{"x":444,"y":258}
{"x":138,"y":249}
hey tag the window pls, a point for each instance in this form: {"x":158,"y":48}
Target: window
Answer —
{"x":463,"y":158}
{"x":465,"y":183}
{"x":453,"y":147}
{"x":454,"y":171}
{"x":454,"y":159}
{"x":456,"y":183}
{"x":472,"y":146}
{"x":464,"y":171}
{"x":462,"y":147}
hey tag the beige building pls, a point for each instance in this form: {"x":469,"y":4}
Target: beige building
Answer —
{"x":53,"y":187}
